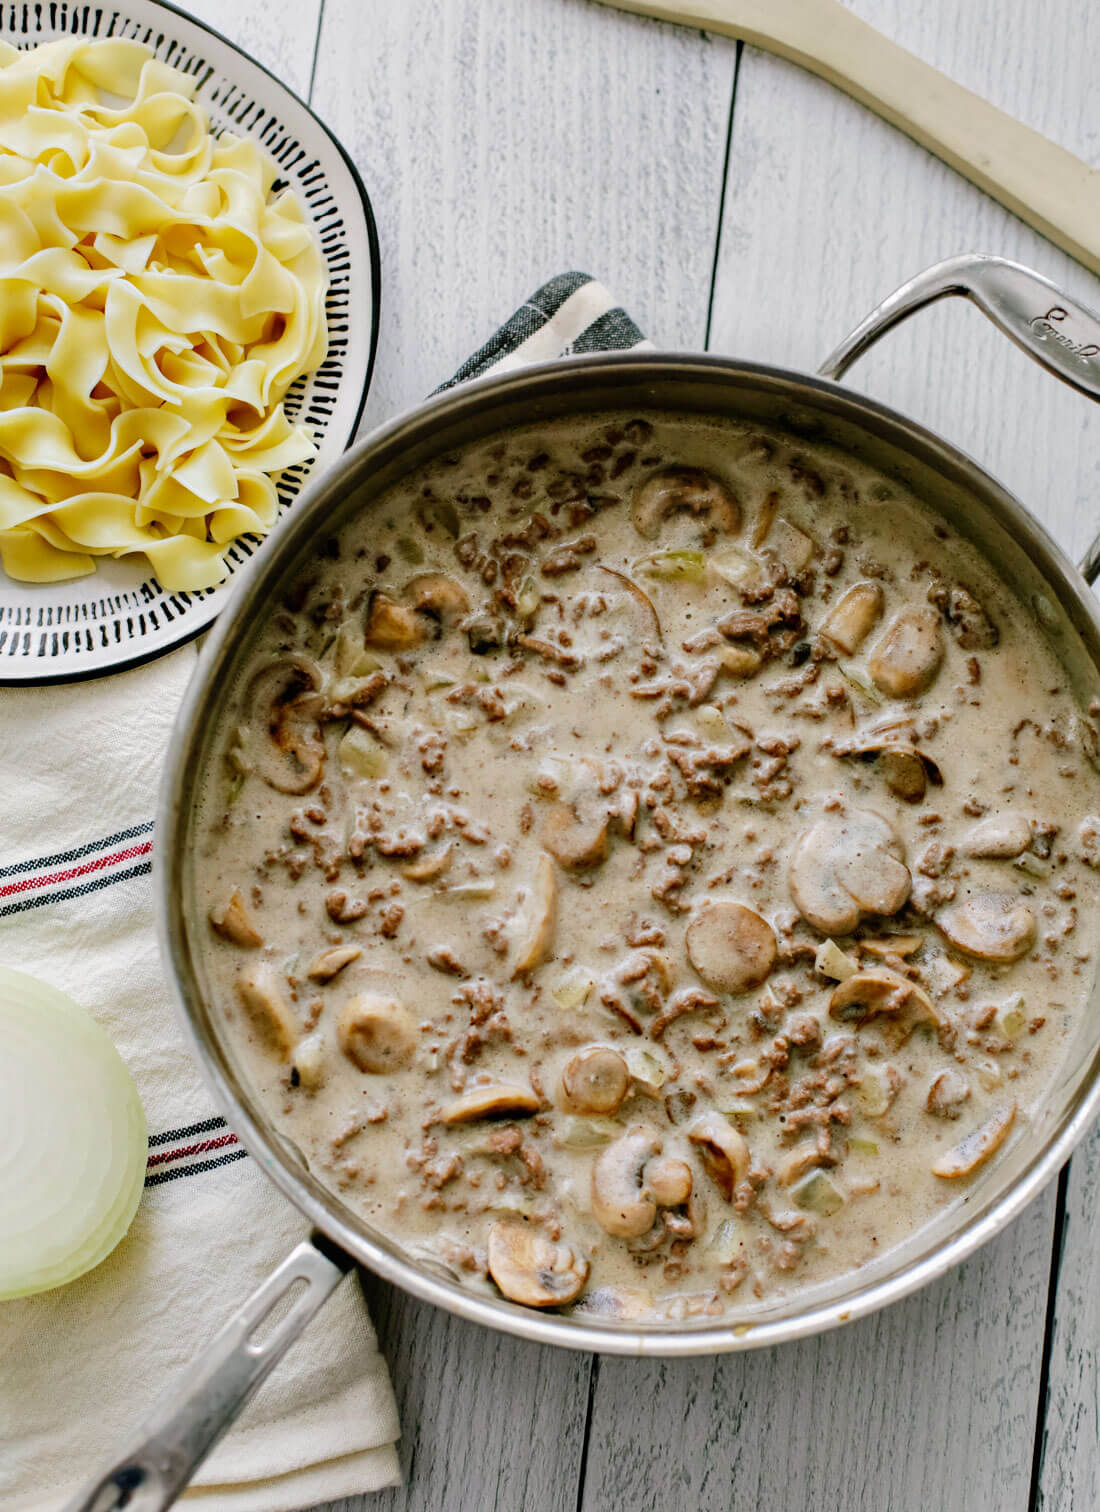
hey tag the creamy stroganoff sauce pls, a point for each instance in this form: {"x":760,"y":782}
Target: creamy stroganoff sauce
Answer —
{"x":649,"y":865}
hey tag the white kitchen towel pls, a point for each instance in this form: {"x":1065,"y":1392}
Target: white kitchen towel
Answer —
{"x":79,"y":767}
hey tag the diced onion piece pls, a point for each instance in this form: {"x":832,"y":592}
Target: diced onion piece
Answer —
{"x":460,"y":721}
{"x":830,"y":961}
{"x":873,"y":1091}
{"x":645,"y":1069}
{"x":73,"y":1141}
{"x":819,"y":1194}
{"x":588,"y":1133}
{"x":737,"y":567}
{"x":1011,"y":1017}
{"x":860,"y":682}
{"x":350,"y":656}
{"x":572,"y":990}
{"x":433,"y":677}
{"x":989,"y":1075}
{"x":361,"y":756}
{"x":473,"y":891}
{"x":712,"y":722}
{"x":528,"y":599}
{"x":727,"y":1242}
{"x":671,"y":565}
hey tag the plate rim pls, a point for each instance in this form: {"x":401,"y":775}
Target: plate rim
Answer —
{"x":374,"y":254}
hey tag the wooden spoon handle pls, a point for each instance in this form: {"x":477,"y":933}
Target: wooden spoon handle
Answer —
{"x":1042,"y":183}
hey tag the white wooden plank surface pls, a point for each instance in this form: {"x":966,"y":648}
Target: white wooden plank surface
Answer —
{"x":280,"y":34}
{"x":852,"y":208}
{"x":918,"y":1407}
{"x":489,"y":1424}
{"x":505,"y":143}
{"x":828,"y":209}
{"x":1069,"y":1453}
{"x":502,"y":144}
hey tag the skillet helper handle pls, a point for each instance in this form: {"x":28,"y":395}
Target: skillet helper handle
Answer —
{"x":1060,"y":334}
{"x":178,"y":1435}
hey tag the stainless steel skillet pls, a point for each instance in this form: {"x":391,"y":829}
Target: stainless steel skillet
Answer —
{"x":1053,"y":329}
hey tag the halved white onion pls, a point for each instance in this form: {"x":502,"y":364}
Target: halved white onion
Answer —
{"x":73,"y":1142}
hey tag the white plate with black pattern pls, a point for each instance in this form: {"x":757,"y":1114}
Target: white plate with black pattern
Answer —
{"x":120,"y":616}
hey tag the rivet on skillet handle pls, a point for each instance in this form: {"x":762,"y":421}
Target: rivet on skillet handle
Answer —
{"x":1031,"y":311}
{"x":203,"y":1402}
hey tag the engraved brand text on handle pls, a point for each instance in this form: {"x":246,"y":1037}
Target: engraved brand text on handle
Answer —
{"x":1046,"y":329}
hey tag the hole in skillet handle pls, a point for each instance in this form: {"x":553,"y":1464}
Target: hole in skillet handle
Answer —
{"x":1039,"y":317}
{"x":202,"y":1403}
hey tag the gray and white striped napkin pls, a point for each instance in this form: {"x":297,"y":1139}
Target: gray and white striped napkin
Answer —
{"x":79,"y":768}
{"x":565,"y":317}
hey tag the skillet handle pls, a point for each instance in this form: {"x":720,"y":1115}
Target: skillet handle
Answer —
{"x":178,"y":1434}
{"x":1044,"y":322}
{"x":1031,"y":311}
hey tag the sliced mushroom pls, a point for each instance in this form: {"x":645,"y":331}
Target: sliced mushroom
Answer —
{"x":376,"y":1033}
{"x":284,"y":700}
{"x":428,"y":867}
{"x":790,"y":546}
{"x":794,"y":1165}
{"x":723,"y":1151}
{"x":731,"y":947}
{"x":1001,"y":837}
{"x":260,"y":992}
{"x":617,"y":1302}
{"x":947,"y":1093}
{"x":739,"y":661}
{"x":233,"y":923}
{"x":763,"y":522}
{"x":669,"y":1180}
{"x":621,"y":1203}
{"x":854,"y":615}
{"x":675,"y":490}
{"x":908,"y":655}
{"x":439,"y":597}
{"x":493,"y":1100}
{"x":892,"y":945}
{"x":845,"y":866}
{"x":870,"y":993}
{"x":531,"y":1268}
{"x":596,"y":1080}
{"x":979,"y":1146}
{"x":990,"y":926}
{"x":906,"y":770}
{"x":308,"y":1064}
{"x":392,"y":626}
{"x":537,"y":938}
{"x":331,"y":962}
{"x":574,"y":844}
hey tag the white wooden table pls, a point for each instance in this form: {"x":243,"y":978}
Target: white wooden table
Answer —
{"x":732,"y":202}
